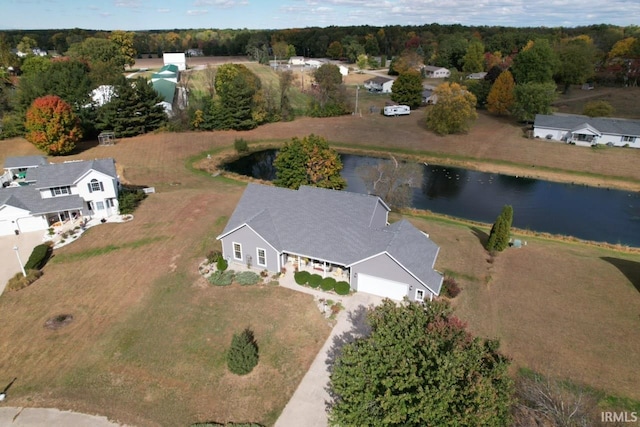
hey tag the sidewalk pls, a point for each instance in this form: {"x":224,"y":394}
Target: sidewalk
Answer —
{"x":38,"y":417}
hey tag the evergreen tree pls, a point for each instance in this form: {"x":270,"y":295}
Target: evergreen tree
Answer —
{"x":419,"y":367}
{"x":407,"y":89}
{"x":501,"y":97}
{"x":242,"y":356}
{"x":501,"y":230}
{"x":133,"y":110}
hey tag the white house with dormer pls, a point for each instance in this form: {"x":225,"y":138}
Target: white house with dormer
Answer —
{"x":46,"y":195}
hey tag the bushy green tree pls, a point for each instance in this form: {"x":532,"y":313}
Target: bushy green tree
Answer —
{"x":598,"y":108}
{"x":473,"y":61}
{"x":329,"y":97}
{"x":576,"y":61}
{"x":501,"y":230}
{"x":535,"y":63}
{"x":407,"y":89}
{"x":419,"y":367}
{"x":454,"y":111}
{"x":308,"y":161}
{"x":532,"y":99}
{"x":243,"y":356}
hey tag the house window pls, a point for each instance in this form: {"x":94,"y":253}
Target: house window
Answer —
{"x":262,"y":257}
{"x":419,"y":295}
{"x":627,"y":138}
{"x":110,"y":203}
{"x":60,"y":191}
{"x":95,"y":185}
{"x":100,"y":206}
{"x":237,"y":251}
{"x":90,"y":206}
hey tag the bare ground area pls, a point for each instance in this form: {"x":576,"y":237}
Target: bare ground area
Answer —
{"x":147,"y":341}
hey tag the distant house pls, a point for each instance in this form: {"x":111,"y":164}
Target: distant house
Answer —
{"x":296,"y":60}
{"x":178,"y":59}
{"x":195,"y":52}
{"x":587,"y":131}
{"x":379,"y":84}
{"x":334,"y":234}
{"x":313,"y":63}
{"x":44,"y":194}
{"x":476,"y":76}
{"x":428,"y":97}
{"x":436,"y":72}
{"x":344,"y":70}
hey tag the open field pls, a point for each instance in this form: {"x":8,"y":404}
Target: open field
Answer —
{"x":147,"y":340}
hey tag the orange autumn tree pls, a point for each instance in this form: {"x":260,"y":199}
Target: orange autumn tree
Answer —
{"x":501,"y":98}
{"x":52,"y":126}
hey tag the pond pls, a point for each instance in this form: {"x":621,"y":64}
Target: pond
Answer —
{"x":588,"y":213}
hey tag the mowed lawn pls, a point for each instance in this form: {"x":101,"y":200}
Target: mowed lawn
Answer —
{"x":147,"y":342}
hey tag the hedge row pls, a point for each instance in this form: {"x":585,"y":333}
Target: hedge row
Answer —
{"x":327,"y":284}
{"x":39,"y":256}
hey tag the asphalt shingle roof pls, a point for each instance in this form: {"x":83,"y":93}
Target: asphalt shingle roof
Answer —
{"x":63,"y":174}
{"x":604,"y":125}
{"x":333,"y":226}
{"x":28,"y":198}
{"x":24,"y":162}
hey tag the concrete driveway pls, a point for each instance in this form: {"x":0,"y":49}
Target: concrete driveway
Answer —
{"x":9,"y":265}
{"x":38,"y":417}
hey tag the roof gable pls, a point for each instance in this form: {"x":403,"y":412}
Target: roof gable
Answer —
{"x":24,"y":162}
{"x":68,"y":173}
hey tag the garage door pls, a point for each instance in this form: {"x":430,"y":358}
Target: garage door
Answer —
{"x":6,"y":228}
{"x":35,"y":223}
{"x":382,"y":287}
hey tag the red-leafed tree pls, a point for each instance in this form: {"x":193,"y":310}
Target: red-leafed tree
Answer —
{"x":52,"y":126}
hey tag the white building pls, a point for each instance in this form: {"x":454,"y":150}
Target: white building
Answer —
{"x":42,"y":195}
{"x":178,"y":59}
{"x":436,"y":72}
{"x":587,"y":131}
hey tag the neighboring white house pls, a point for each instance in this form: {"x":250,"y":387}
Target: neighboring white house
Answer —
{"x":54,"y":193}
{"x":313,"y":63}
{"x":587,"y":131}
{"x":344,"y":70}
{"x":476,"y":76}
{"x":178,"y":59}
{"x":436,"y":72}
{"x":379,"y":84}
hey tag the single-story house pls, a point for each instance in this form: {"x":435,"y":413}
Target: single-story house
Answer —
{"x":476,"y":76}
{"x":178,"y":59}
{"x":55,"y":193}
{"x":296,"y":60}
{"x":332,"y":233}
{"x":344,"y":70}
{"x":436,"y":72}
{"x":428,"y":97}
{"x":587,"y":131}
{"x":379,"y":84}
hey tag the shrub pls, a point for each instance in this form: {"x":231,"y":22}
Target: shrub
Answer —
{"x":243,"y":354}
{"x":301,"y":277}
{"x":39,"y":257}
{"x":450,"y":288}
{"x":314,"y":280}
{"x":247,"y":278}
{"x":222,"y":264}
{"x":221,"y":278}
{"x":19,"y":281}
{"x":129,"y":199}
{"x":213,"y":256}
{"x":327,"y":284}
{"x":342,"y":288}
{"x":241,"y":145}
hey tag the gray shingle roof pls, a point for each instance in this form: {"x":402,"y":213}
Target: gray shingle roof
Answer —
{"x":24,"y":162}
{"x":333,"y":226}
{"x":379,"y":80}
{"x":28,"y":198}
{"x":605,"y":125}
{"x":63,"y":174}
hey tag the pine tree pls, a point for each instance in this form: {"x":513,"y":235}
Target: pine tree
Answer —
{"x":501,"y":230}
{"x":242,"y":357}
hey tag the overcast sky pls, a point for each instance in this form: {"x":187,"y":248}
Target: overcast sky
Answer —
{"x":276,"y":14}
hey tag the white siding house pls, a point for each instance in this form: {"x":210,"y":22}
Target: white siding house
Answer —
{"x":178,"y":59}
{"x":587,"y":131}
{"x":379,"y":84}
{"x":436,"y":72}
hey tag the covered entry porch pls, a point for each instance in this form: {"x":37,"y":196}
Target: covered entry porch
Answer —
{"x":296,"y":262}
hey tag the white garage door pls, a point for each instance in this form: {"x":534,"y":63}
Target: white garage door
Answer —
{"x":382,"y":287}
{"x":6,"y":228}
{"x":35,"y":223}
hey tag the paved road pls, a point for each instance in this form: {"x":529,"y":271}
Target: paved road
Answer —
{"x":8,"y":261}
{"x":41,"y":417}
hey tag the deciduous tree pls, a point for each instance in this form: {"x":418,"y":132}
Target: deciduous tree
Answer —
{"x":532,"y":99}
{"x":407,"y":89}
{"x":52,"y":126}
{"x":308,"y":161}
{"x":418,"y":366}
{"x":501,"y":97}
{"x":329,"y":96}
{"x":576,"y":62}
{"x":391,"y":180}
{"x":124,"y":41}
{"x":334,"y":51}
{"x":535,"y":63}
{"x":454,"y":111}
{"x":598,"y":108}
{"x":473,"y":60}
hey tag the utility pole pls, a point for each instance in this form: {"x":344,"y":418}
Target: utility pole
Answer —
{"x":357,"y":90}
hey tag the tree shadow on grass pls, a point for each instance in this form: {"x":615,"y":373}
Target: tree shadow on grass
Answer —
{"x":629,"y":268}
{"x":481,"y":235}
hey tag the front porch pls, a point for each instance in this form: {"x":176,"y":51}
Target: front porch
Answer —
{"x":323,"y":268}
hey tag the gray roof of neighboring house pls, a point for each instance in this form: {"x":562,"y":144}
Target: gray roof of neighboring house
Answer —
{"x":333,"y":226}
{"x":433,"y":68}
{"x":67,"y":173}
{"x":379,"y":80}
{"x":28,"y":198}
{"x":604,"y":125}
{"x":24,"y":162}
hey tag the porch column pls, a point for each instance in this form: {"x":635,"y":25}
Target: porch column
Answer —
{"x":324,"y":269}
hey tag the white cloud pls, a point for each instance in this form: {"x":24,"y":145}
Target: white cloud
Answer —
{"x":131,"y":4}
{"x":197,"y":12}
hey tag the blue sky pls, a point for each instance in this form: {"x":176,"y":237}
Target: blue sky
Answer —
{"x":276,"y":14}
